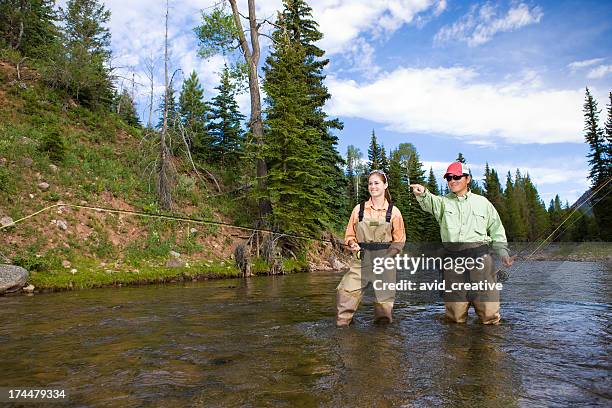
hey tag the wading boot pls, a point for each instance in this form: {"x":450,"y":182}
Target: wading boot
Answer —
{"x":383,"y":313}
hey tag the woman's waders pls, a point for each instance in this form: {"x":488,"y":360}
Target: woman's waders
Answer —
{"x":374,"y":237}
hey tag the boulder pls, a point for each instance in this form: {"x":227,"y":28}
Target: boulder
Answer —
{"x":12,"y":278}
{"x":43,"y":186}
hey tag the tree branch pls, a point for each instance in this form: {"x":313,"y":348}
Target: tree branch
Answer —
{"x":241,"y":37}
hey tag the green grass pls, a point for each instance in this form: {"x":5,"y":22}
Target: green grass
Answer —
{"x":90,"y":273}
{"x":98,"y":156}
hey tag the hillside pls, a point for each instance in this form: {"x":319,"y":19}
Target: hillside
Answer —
{"x":105,"y":163}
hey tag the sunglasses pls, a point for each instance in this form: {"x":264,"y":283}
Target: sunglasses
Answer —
{"x":448,"y":177}
{"x":378,"y":172}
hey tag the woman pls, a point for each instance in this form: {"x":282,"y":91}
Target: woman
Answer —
{"x":375,"y":229}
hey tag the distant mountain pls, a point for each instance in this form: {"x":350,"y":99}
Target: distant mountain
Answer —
{"x":587,"y":207}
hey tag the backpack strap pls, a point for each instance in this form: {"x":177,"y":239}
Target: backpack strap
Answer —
{"x":361,"y":209}
{"x":389,"y":211}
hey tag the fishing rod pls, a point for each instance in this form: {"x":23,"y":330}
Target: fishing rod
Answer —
{"x":543,"y":243}
{"x":569,"y":216}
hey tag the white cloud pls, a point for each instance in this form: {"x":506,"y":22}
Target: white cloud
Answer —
{"x":361,"y":56}
{"x":481,"y":23}
{"x":452,"y":101}
{"x":600,"y":72}
{"x":341,"y":21}
{"x":137,"y":28}
{"x":584,"y":63}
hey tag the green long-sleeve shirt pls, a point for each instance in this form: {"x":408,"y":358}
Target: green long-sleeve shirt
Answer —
{"x":471,"y":218}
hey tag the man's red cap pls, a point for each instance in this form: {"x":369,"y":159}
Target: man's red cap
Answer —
{"x":457,"y":169}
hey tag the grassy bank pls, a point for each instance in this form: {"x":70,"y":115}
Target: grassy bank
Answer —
{"x":54,"y":151}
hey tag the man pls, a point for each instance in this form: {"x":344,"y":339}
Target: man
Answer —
{"x":470,"y":221}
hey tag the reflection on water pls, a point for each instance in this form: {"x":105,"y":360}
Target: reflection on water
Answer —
{"x":272,"y":342}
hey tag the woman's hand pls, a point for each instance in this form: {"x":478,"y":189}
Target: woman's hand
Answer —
{"x":354,"y":247}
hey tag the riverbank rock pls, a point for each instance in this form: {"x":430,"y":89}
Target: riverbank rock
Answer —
{"x":337,"y":265}
{"x":12,"y":278}
{"x":175,"y":263}
{"x":43,"y":186}
{"x":175,"y":254}
{"x":6,"y":221}
{"x":61,"y":224}
{"x":29,"y":289}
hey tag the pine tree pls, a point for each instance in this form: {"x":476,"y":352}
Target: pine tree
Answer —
{"x":384,"y":161}
{"x":405,"y":168}
{"x":81,"y":64}
{"x":555,"y":217}
{"x":493,"y":192}
{"x":515,"y":229}
{"x":432,"y":228}
{"x":126,"y":108}
{"x":173,"y":114}
{"x":303,"y":29}
{"x":595,"y":139}
{"x":398,"y":187}
{"x":599,"y":163}
{"x":194,"y":114}
{"x":225,"y":126}
{"x":537,"y":221}
{"x":374,"y":153}
{"x":296,"y":174}
{"x":609,"y":138}
{"x":28,"y":26}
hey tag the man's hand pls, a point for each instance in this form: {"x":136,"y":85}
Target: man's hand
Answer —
{"x":508,"y":260}
{"x":417,"y":189}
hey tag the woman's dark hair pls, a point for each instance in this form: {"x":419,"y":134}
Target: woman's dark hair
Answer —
{"x":383,"y":177}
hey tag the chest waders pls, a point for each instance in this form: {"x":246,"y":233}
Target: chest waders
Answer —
{"x":374,"y":236}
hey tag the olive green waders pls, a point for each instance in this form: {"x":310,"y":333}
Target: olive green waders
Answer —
{"x":374,"y":236}
{"x":485,"y":302}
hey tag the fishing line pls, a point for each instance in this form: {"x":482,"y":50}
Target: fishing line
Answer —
{"x":169,"y":217}
{"x":565,"y":220}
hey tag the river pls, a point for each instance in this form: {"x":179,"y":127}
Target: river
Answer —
{"x":271,"y":341}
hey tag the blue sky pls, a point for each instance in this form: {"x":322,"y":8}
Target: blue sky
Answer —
{"x":500,"y":81}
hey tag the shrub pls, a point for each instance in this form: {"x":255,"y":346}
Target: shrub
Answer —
{"x":54,"y":145}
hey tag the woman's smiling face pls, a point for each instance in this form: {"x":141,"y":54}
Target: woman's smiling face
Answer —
{"x":376,"y":185}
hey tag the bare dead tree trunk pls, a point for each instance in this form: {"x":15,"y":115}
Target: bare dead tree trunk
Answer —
{"x":120,"y":99}
{"x":150,"y":69}
{"x":18,"y":67}
{"x":22,"y":7}
{"x":251,"y":56}
{"x":163,"y":170}
{"x":133,"y":87}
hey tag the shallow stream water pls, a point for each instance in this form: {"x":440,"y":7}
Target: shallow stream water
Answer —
{"x":271,"y":341}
